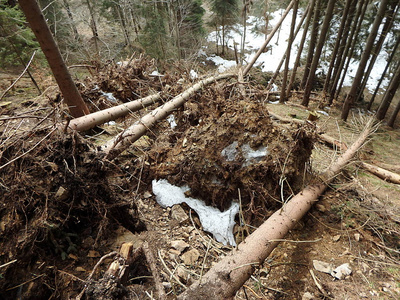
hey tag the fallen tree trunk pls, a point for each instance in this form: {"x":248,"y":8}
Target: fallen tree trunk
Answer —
{"x":100,"y":117}
{"x":224,"y":279}
{"x":123,"y":140}
{"x":381,"y":173}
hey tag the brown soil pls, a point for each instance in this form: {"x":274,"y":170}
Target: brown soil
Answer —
{"x":63,"y":207}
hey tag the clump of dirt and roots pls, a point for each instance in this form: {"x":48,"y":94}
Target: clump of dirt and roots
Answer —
{"x":65,"y":209}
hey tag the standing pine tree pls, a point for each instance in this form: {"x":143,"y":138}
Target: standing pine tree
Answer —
{"x":225,"y":13}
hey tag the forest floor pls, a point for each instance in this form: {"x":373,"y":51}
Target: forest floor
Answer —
{"x":50,"y":245}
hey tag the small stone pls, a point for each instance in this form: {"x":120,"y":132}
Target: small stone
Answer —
{"x":93,"y":253}
{"x":322,"y":266}
{"x":190,"y":257}
{"x":147,"y":195}
{"x":80,"y":269}
{"x":357,"y":237}
{"x":336,"y":238}
{"x":320,"y":207}
{"x":182,"y":273}
{"x":62,"y":194}
{"x":179,"y":214}
{"x":307,"y":296}
{"x":179,"y":245}
{"x":342,"y":271}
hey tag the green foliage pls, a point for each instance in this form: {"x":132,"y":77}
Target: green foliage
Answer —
{"x":15,"y":38}
{"x":225,"y":11}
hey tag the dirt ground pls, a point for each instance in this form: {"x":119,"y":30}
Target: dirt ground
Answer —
{"x":63,"y":208}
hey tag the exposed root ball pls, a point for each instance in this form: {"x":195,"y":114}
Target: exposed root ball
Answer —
{"x":224,"y":143}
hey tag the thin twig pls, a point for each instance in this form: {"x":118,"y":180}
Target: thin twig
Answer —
{"x":19,"y":77}
{"x":23,"y":154}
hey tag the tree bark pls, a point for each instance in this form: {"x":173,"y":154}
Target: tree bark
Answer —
{"x":312,"y":42}
{"x":340,"y":35}
{"x":374,"y":55}
{"x":224,"y":279}
{"x":309,"y":12}
{"x":283,"y":96}
{"x":318,"y":51}
{"x":389,"y":94}
{"x":50,"y":49}
{"x":123,"y":140}
{"x":348,"y":103}
{"x":100,"y":117}
{"x":384,"y":71}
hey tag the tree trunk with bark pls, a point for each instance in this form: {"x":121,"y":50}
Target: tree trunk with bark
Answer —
{"x":72,"y":98}
{"x":308,"y":12}
{"x":346,"y":41}
{"x":389,"y":94}
{"x":318,"y":51}
{"x":384,"y":72}
{"x":225,"y":278}
{"x":312,"y":42}
{"x":377,"y":49}
{"x":340,"y":36}
{"x":348,"y":103}
{"x":283,"y":96}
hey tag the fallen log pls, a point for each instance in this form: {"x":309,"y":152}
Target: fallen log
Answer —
{"x":381,"y":173}
{"x":100,"y":117}
{"x":225,"y":278}
{"x":123,"y":140}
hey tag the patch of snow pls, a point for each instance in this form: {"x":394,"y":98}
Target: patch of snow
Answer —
{"x":171,"y":121}
{"x":193,"y":74}
{"x":220,"y":224}
{"x":252,"y":155}
{"x":230,"y":151}
{"x":269,"y":60}
{"x":109,"y":96}
{"x":156,"y":73}
{"x":323,"y":113}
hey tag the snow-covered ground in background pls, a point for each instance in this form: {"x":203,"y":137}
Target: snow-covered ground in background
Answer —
{"x":269,"y":60}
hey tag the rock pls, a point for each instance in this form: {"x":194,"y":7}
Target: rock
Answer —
{"x":179,"y":245}
{"x":93,"y":253}
{"x":146,"y":195}
{"x":183,"y":273}
{"x":357,"y":237}
{"x":320,"y":207}
{"x":336,"y":238}
{"x":322,"y":266}
{"x":308,"y":296}
{"x":190,"y":257}
{"x":342,"y":271}
{"x":179,"y":214}
{"x":62,"y":194}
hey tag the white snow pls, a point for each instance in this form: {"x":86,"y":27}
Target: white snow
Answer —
{"x":269,"y":60}
{"x":171,"y":121}
{"x":250,"y":155}
{"x":220,"y":224}
{"x":193,"y":74}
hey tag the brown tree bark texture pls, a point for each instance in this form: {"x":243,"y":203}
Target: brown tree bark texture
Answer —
{"x":123,"y":140}
{"x":72,"y":98}
{"x":224,"y":279}
{"x":100,"y":117}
